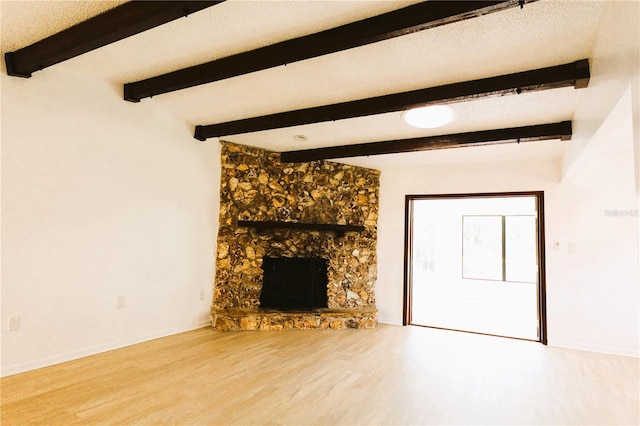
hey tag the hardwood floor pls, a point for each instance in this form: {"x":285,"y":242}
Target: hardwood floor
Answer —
{"x":390,"y":375}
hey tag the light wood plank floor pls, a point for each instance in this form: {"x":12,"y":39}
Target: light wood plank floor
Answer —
{"x":391,"y":375}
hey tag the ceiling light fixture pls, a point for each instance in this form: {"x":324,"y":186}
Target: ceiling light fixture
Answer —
{"x":300,"y":138}
{"x":429,"y":117}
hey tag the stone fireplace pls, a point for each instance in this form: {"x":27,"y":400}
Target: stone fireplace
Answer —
{"x":256,"y":187}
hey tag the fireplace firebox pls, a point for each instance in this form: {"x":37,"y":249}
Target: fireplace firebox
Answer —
{"x":291,"y":284}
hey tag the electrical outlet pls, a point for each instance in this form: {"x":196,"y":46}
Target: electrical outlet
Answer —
{"x":14,"y":323}
{"x":202,"y":295}
{"x":122,"y":301}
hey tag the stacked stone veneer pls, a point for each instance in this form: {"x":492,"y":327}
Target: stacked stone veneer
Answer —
{"x":256,"y":185}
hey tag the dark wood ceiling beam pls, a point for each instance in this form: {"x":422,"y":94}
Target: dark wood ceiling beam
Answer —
{"x":408,"y":20}
{"x":574,"y":74}
{"x":115,"y":24}
{"x":561,"y":131}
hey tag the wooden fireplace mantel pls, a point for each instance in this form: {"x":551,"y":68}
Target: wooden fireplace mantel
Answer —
{"x":261,"y":226}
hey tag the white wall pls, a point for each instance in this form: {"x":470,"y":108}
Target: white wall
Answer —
{"x":615,"y":65}
{"x":592,"y":294}
{"x":601,"y":278}
{"x":101,"y":198}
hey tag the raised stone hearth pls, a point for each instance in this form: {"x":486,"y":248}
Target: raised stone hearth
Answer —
{"x":269,"y":319}
{"x":256,"y":186}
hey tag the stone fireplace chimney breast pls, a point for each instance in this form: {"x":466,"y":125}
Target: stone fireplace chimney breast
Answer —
{"x":256,"y":186}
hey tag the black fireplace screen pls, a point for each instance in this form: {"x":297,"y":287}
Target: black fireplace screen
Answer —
{"x":294,"y":283}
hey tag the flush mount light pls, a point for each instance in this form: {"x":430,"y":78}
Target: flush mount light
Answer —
{"x":300,"y":138}
{"x":429,"y":117}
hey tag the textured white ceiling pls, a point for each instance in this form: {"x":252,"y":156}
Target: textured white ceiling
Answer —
{"x":24,"y":22}
{"x":542,"y":34}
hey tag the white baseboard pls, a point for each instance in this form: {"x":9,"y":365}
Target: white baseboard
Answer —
{"x":385,"y":320}
{"x":610,"y":350}
{"x":70,"y":356}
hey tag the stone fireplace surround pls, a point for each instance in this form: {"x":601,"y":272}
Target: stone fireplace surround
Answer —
{"x":255,"y":185}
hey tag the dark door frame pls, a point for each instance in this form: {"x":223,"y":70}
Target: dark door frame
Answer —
{"x":539,"y":196}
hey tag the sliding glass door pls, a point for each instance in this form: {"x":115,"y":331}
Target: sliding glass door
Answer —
{"x":474,"y":264}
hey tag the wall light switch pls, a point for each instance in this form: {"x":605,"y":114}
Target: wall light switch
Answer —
{"x":571,"y":248}
{"x":122,"y":301}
